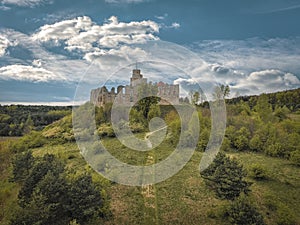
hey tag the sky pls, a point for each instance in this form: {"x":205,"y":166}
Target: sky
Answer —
{"x":51,"y":49}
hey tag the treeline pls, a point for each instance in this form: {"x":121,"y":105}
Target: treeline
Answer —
{"x":289,"y":98}
{"x":17,"y":120}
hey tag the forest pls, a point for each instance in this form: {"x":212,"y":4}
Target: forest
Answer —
{"x":255,"y":179}
{"x":17,"y":120}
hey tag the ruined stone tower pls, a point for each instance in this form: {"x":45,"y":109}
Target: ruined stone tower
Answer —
{"x":128,"y":95}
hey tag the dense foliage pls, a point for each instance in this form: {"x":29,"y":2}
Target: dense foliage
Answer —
{"x":243,"y":212}
{"x":48,"y":196}
{"x":16,"y":120}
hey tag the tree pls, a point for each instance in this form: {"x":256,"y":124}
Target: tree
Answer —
{"x":48,"y":197}
{"x":154,"y":112}
{"x":221,"y":92}
{"x":226,"y":177}
{"x":243,"y":212}
{"x":147,"y":95}
{"x":22,"y":164}
{"x":28,"y":125}
{"x":195,"y":97}
{"x":264,"y":108}
{"x":84,"y":199}
{"x":38,"y":172}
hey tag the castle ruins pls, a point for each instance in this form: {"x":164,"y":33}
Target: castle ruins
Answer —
{"x":128,"y":95}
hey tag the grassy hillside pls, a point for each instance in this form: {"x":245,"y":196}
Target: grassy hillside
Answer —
{"x":184,"y":198}
{"x":265,"y":144}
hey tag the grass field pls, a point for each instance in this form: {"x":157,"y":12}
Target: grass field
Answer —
{"x":181,"y":199}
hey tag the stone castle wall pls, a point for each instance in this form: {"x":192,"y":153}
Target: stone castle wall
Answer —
{"x":128,"y":95}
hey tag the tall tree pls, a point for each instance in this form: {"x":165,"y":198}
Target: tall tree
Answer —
{"x":221,"y":92}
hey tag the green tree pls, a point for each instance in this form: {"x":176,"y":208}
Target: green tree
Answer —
{"x":28,"y":125}
{"x":154,"y":112}
{"x":85,"y":200}
{"x":264,"y":108}
{"x":48,"y":197}
{"x":221,"y":92}
{"x":243,"y":212}
{"x":22,"y":165}
{"x":195,"y":97}
{"x":40,"y":169}
{"x":147,"y":95}
{"x":226,"y":177}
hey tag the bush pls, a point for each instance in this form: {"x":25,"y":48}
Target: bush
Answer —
{"x":106,"y":131}
{"x":276,"y":150}
{"x":32,"y":140}
{"x":256,"y":144}
{"x":257,"y":172}
{"x":295,"y":157}
{"x":226,"y":145}
{"x":243,"y":212}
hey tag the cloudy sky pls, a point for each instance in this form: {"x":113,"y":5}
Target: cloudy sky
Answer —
{"x":48,"y":47}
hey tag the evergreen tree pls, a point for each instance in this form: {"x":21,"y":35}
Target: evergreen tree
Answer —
{"x":22,"y":164}
{"x":226,"y":177}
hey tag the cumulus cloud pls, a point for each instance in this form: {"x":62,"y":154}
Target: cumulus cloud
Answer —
{"x":28,"y":73}
{"x":116,"y":57}
{"x":26,"y":3}
{"x":253,"y":54}
{"x":4,"y":44}
{"x":83,"y":34}
{"x":270,"y":81}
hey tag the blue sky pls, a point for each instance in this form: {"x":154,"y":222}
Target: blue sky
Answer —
{"x":47,"y":45}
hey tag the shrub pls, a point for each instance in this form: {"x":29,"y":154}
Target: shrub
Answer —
{"x":256,"y":143}
{"x":226,"y":145}
{"x":295,"y":157}
{"x":258,"y":172}
{"x":242,"y":211}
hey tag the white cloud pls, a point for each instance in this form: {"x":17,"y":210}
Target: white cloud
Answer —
{"x":28,"y":73}
{"x":83,"y":34}
{"x":4,"y":44}
{"x":162,"y":17}
{"x":26,"y":3}
{"x":175,"y":25}
{"x":271,"y":80}
{"x":115,"y":58}
{"x":37,"y":62}
{"x":63,"y":30}
{"x":253,"y":54}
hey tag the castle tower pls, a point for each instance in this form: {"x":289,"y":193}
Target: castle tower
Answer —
{"x":137,"y":77}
